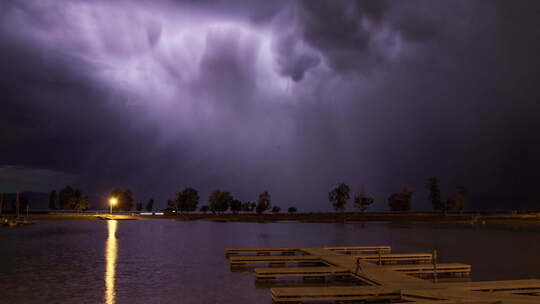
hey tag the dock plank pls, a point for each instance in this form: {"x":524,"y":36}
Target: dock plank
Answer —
{"x":241,"y":261}
{"x":478,"y":295}
{"x":447,"y":268}
{"x":283,"y":295}
{"x":396,"y":257}
{"x":358,"y":249}
{"x":493,"y":285}
{"x":262,"y":273}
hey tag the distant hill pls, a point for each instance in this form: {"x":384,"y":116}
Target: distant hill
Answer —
{"x":36,"y":200}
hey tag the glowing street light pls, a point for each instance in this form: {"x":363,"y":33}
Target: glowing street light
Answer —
{"x":112,"y":202}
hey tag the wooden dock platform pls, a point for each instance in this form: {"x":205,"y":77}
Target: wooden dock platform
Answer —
{"x":423,"y":269}
{"x":332,"y":271}
{"x":383,"y":279}
{"x":242,"y":261}
{"x":295,"y":251}
{"x":303,"y":272}
{"x":392,"y":258}
{"x":260,"y":251}
{"x":359,"y":249}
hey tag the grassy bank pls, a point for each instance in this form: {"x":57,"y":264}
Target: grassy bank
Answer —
{"x":330,"y":217}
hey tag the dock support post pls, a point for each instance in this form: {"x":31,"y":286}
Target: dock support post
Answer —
{"x":435,"y":265}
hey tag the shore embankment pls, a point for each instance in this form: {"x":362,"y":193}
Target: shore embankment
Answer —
{"x":468,"y":218}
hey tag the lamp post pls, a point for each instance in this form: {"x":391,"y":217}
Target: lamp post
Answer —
{"x":112,"y":202}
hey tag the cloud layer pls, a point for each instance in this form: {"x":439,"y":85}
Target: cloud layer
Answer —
{"x":290,"y":97}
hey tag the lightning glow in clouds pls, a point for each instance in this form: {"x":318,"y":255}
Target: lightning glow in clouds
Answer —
{"x":286,"y":96}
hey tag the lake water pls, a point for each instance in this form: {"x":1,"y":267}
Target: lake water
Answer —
{"x":167,"y":261}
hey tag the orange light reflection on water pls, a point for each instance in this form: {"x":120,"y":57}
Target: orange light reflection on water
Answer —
{"x":111,"y":253}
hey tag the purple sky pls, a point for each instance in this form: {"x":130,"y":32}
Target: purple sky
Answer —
{"x":286,"y":96}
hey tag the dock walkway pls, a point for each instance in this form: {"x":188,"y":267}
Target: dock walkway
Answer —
{"x":383,"y":278}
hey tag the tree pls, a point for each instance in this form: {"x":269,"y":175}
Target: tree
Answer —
{"x":236,"y":206}
{"x":204,"y":209}
{"x":276,"y":209}
{"x":70,"y":198}
{"x":400,"y":200}
{"x":23,"y":203}
{"x":362,"y":201}
{"x":138,"y":207}
{"x":435,"y":194}
{"x":187,"y":200}
{"x":264,"y":202}
{"x":450,"y":204}
{"x":172,"y":204}
{"x":292,"y":210}
{"x":219,"y":201}
{"x":462,"y":193}
{"x":73,"y":200}
{"x":124,"y":197}
{"x":52,"y":200}
{"x":64,"y":195}
{"x":78,"y":201}
{"x":150,"y":205}
{"x":248,"y":206}
{"x":339,"y":196}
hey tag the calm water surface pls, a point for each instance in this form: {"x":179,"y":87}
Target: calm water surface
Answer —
{"x":167,"y":261}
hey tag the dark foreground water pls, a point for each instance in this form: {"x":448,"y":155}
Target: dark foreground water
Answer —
{"x":166,"y":261}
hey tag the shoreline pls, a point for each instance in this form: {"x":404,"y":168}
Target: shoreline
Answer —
{"x":487,"y":219}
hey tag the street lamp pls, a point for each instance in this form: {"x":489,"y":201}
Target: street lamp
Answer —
{"x":112,"y":202}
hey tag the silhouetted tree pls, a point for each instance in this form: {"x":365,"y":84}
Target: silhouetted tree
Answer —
{"x":339,"y":196}
{"x":204,"y":209}
{"x":125,"y":199}
{"x":23,"y":203}
{"x":1,"y":203}
{"x":219,"y":201}
{"x":78,"y":201}
{"x":276,"y":209}
{"x":264,"y":202}
{"x":52,"y":200}
{"x":362,"y":201}
{"x":400,"y":200}
{"x":435,"y":194}
{"x":450,"y":204}
{"x":292,"y":210}
{"x":64,"y":195}
{"x":138,"y":207}
{"x":462,"y":193}
{"x":187,"y":200}
{"x":236,"y":206}
{"x":248,"y":206}
{"x":69,"y":198}
{"x":172,"y":204}
{"x":150,"y":205}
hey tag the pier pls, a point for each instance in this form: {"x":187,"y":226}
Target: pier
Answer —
{"x":376,"y":275}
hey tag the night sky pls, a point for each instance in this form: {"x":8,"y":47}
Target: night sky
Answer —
{"x":286,"y":96}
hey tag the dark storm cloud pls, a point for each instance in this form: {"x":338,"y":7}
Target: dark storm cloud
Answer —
{"x":227,"y":66}
{"x":292,"y":60}
{"x":358,"y":35}
{"x":289,"y":97}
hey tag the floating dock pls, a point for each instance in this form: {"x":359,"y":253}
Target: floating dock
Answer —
{"x":293,"y":251}
{"x":376,"y":276}
{"x":242,"y":261}
{"x":394,"y":258}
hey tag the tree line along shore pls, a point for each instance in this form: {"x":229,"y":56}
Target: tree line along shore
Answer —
{"x":223,"y":206}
